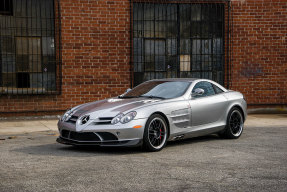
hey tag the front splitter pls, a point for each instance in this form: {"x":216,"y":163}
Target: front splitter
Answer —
{"x":122,"y":143}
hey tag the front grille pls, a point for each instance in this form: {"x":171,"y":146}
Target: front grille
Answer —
{"x":88,"y":136}
{"x":107,"y":136}
{"x":100,"y":121}
{"x":104,"y":121}
{"x":85,"y":136}
{"x":65,"y":133}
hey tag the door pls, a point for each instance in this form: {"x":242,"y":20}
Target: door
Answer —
{"x":208,"y":107}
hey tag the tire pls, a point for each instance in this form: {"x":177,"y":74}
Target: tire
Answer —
{"x":155,"y":133}
{"x":234,"y":124}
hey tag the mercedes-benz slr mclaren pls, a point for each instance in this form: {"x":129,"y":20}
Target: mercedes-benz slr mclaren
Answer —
{"x":155,"y":112}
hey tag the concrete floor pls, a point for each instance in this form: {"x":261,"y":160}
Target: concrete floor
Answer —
{"x":33,"y":161}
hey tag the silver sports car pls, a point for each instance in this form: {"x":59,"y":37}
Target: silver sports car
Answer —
{"x":155,"y":112}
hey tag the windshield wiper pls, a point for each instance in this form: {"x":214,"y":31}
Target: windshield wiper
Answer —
{"x":152,"y":97}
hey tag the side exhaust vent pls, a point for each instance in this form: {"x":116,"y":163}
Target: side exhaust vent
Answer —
{"x":178,"y":137}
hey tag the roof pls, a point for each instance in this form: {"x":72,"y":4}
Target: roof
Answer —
{"x":177,"y":79}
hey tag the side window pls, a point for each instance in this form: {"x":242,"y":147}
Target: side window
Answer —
{"x":206,"y":86}
{"x":217,"y":89}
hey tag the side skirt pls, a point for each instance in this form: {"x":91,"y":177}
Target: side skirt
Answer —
{"x":196,"y":133}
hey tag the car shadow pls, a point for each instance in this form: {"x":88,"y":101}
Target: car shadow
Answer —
{"x":56,"y":149}
{"x":194,"y":140}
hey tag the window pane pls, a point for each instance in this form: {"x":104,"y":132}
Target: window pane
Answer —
{"x":149,"y":47}
{"x":159,"y":63}
{"x":184,"y":62}
{"x":28,"y":54}
{"x":185,"y":20}
{"x":171,"y":46}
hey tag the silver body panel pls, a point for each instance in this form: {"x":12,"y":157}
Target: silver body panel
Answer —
{"x":187,"y":116}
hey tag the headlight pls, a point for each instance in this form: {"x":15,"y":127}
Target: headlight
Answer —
{"x":67,"y":115}
{"x":117,"y":118}
{"x":128,"y":117}
{"x":124,"y":118}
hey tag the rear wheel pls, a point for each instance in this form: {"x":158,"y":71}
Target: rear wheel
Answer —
{"x":234,"y":124}
{"x":155,"y":133}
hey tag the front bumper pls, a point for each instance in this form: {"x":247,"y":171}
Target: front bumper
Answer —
{"x":101,"y":134}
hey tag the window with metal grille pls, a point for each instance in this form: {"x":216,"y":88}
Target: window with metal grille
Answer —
{"x":178,"y":40}
{"x":29,"y":47}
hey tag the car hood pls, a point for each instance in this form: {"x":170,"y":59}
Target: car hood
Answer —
{"x":111,"y":107}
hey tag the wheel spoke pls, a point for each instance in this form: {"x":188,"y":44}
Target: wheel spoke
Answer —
{"x":159,"y":141}
{"x":152,"y":125}
{"x":153,"y":140}
{"x":159,"y":126}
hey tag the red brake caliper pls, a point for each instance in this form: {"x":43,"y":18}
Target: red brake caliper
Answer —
{"x":160,"y":134}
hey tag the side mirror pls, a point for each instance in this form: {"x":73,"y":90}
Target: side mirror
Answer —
{"x":122,"y":95}
{"x":197,"y":92}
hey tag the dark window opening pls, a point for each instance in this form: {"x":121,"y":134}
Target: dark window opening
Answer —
{"x":6,"y":7}
{"x":23,"y":80}
{"x":178,"y":40}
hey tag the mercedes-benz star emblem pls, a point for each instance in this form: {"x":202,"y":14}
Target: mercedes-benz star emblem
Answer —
{"x":85,"y":119}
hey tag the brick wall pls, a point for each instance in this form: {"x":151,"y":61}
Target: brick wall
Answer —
{"x":96,"y":53}
{"x":259,"y":67}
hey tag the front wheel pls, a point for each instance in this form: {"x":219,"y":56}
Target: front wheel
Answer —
{"x":155,"y":133}
{"x":234,"y":124}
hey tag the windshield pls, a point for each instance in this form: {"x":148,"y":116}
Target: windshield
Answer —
{"x":158,"y":89}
